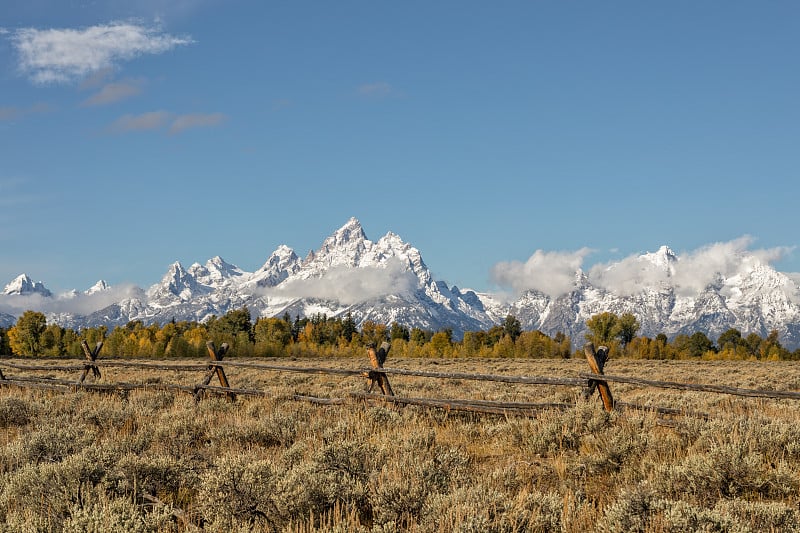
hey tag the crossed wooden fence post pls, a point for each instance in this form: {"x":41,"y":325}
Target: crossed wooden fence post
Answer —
{"x":91,"y":356}
{"x":216,"y":355}
{"x":376,"y":359}
{"x":597,"y":361}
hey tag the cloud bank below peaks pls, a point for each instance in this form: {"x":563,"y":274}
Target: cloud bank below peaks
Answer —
{"x":77,"y":303}
{"x":551,"y":273}
{"x":689,"y":273}
{"x":66,"y":55}
{"x":348,"y":285}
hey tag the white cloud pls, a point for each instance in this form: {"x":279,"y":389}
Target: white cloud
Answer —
{"x":690,"y":274}
{"x":68,"y":55}
{"x":792,"y":287}
{"x":552,"y":273}
{"x":349,"y":286}
{"x":114,"y":92}
{"x":196,"y":120}
{"x":629,"y":276}
{"x":695,"y":270}
{"x":78,"y":304}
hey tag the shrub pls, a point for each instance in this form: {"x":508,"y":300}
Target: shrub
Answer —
{"x":15,"y":412}
{"x":44,"y":493}
{"x":119,"y":516}
{"x":51,"y":444}
{"x":238,"y":491}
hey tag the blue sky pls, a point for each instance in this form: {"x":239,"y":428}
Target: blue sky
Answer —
{"x":483,"y":133}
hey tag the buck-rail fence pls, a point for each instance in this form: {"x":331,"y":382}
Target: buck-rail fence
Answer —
{"x":376,"y":376}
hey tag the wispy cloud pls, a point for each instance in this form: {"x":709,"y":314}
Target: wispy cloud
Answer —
{"x":67,"y":55}
{"x":173,"y":123}
{"x":379,"y":89}
{"x":152,"y":120}
{"x":10,"y":113}
{"x":115,"y":92}
{"x":96,"y":79}
{"x":14,"y":193}
{"x":281,"y":103}
{"x":196,"y":120}
{"x":349,"y":286}
{"x":552,"y":273}
{"x":16,"y":113}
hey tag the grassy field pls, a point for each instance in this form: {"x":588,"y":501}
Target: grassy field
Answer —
{"x":159,"y":461}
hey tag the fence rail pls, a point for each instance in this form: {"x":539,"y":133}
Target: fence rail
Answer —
{"x":699,"y":387}
{"x":376,"y":374}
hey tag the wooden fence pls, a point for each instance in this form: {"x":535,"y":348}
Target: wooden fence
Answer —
{"x":377,"y":375}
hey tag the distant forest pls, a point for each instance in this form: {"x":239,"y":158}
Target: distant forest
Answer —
{"x":320,"y":335}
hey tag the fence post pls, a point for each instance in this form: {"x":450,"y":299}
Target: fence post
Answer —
{"x":377,"y":359}
{"x":91,"y":356}
{"x":216,"y":355}
{"x":597,"y":361}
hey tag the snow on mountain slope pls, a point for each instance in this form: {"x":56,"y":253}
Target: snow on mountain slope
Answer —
{"x":216,"y":273}
{"x":177,"y":285}
{"x":281,"y":264}
{"x":387,"y":280}
{"x":7,"y":320}
{"x":100,"y":286}
{"x":382,"y":281}
{"x":22,"y":285}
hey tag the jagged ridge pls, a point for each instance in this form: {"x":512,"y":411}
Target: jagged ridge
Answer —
{"x":387,"y":280}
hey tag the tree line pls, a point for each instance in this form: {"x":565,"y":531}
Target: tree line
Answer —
{"x":619,"y":333}
{"x":320,"y":335}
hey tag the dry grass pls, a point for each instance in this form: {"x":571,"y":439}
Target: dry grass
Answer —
{"x":158,"y":461}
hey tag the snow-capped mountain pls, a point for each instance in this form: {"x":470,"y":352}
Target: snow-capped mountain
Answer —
{"x":382,"y":281}
{"x":281,"y":264}
{"x":23,"y":285}
{"x":387,"y":280}
{"x":757,"y":299}
{"x":100,"y":286}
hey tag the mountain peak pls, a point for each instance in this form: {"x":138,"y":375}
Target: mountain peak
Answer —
{"x":224,"y":269}
{"x":387,"y":281}
{"x":281,"y":263}
{"x":283,"y":251}
{"x":351,"y":231}
{"x":100,"y":286}
{"x":667,"y":251}
{"x":352,"y":221}
{"x":23,"y":284}
{"x":663,"y":257}
{"x":344,"y":247}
